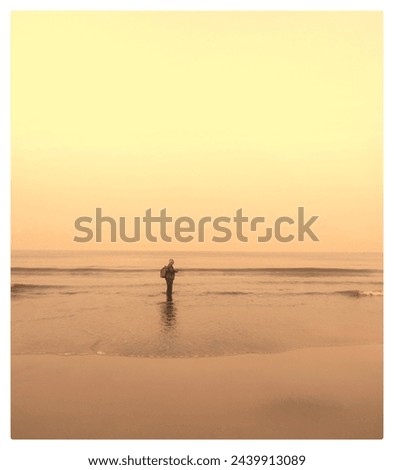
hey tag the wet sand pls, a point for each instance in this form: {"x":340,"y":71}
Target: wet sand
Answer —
{"x":314,"y":393}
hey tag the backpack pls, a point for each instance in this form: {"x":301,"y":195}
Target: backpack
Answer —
{"x":163,"y":271}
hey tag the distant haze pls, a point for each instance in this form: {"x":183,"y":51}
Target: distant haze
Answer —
{"x":201,"y":113}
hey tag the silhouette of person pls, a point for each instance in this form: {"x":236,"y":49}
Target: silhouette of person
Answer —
{"x":170,"y":276}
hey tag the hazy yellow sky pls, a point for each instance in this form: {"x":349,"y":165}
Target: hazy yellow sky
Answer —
{"x":201,"y":113}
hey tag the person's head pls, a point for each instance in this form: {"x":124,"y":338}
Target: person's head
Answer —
{"x":171,"y":262}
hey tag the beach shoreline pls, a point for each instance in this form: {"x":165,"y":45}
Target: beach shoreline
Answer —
{"x":313,"y":393}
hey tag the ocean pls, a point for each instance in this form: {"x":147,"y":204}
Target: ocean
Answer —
{"x":114,"y":303}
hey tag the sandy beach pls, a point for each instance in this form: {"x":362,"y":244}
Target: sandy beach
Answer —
{"x":313,"y":393}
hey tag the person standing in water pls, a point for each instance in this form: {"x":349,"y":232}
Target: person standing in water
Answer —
{"x":170,"y":276}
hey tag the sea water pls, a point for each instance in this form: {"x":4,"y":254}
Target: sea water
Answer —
{"x":114,"y":302}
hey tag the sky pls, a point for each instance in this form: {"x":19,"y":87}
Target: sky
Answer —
{"x":201,"y":113}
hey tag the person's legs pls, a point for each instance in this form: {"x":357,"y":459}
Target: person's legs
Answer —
{"x":169,"y":288}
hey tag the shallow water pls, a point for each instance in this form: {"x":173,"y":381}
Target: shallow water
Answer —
{"x":114,"y":303}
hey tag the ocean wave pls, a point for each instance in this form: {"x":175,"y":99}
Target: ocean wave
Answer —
{"x":37,"y":289}
{"x":285,"y":271}
{"x":227,"y":293}
{"x":361,"y":293}
{"x":31,"y":287}
{"x":350,"y":293}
